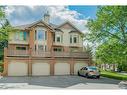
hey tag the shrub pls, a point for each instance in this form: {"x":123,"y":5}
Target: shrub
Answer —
{"x":113,"y":75}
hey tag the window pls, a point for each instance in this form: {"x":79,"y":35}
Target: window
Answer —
{"x":75,"y":39}
{"x":57,"y":49}
{"x":21,"y":36}
{"x":25,"y":36}
{"x":20,"y":48}
{"x":40,"y":47}
{"x":70,"y":38}
{"x":41,"y":34}
{"x":58,"y":38}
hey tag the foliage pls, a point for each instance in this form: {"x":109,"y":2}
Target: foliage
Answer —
{"x":5,"y":29}
{"x":111,"y":22}
{"x":109,"y":30}
{"x":122,"y":67}
{"x":113,"y":75}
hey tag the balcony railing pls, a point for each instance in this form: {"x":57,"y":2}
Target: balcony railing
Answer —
{"x":17,"y":53}
{"x":46,"y":54}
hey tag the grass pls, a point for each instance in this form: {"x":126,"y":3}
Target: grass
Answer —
{"x":113,"y":75}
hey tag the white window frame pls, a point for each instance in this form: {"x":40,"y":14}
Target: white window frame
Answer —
{"x":58,"y":35}
{"x":77,"y":37}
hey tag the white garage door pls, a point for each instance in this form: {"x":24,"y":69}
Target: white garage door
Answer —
{"x":62,"y":69}
{"x":78,"y":66}
{"x":40,"y":69}
{"x":17,"y":69}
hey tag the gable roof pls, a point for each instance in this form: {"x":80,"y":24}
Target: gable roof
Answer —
{"x":68,"y":22}
{"x":50,"y":25}
{"x":23,"y":27}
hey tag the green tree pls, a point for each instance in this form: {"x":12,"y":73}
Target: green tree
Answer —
{"x":109,"y":30}
{"x":5,"y":29}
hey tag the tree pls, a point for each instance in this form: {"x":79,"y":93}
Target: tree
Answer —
{"x":110,"y":22}
{"x":109,"y":30}
{"x":5,"y":29}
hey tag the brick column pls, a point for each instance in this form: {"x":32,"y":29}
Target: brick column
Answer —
{"x":52,"y":62}
{"x":72,"y":66}
{"x":30,"y":63}
{"x":5,"y":72}
{"x":31,"y":39}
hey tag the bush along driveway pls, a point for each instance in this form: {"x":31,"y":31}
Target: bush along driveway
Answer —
{"x":113,"y":75}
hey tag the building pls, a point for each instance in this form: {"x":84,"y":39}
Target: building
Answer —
{"x":42,"y":48}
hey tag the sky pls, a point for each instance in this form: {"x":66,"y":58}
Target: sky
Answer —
{"x":78,"y":15}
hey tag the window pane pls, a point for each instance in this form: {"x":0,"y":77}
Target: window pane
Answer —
{"x":75,"y":39}
{"x":58,"y":39}
{"x":24,"y":36}
{"x":40,"y":47}
{"x":16,"y":36}
{"x":70,"y":38}
{"x":21,"y":36}
{"x":41,"y":34}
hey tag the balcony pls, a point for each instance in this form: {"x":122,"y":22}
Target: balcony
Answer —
{"x":17,"y":53}
{"x":27,"y":53}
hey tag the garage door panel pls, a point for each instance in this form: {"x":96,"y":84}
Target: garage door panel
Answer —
{"x":40,"y":69}
{"x":17,"y":69}
{"x":62,"y":69}
{"x":78,"y":66}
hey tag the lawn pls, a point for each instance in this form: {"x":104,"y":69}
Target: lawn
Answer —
{"x":113,"y":75}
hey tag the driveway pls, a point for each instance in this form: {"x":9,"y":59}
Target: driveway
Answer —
{"x":57,"y":82}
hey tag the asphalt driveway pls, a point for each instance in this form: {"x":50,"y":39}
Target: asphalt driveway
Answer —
{"x":57,"y":82}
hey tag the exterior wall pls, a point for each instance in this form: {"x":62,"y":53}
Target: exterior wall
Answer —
{"x":66,"y":36}
{"x":29,"y":60}
{"x":51,"y":61}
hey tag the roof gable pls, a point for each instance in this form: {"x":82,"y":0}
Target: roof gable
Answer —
{"x":37,"y":23}
{"x":69,"y":25}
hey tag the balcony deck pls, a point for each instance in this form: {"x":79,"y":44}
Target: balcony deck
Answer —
{"x":24,"y":53}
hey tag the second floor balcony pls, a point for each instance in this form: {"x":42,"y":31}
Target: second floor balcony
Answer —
{"x":27,"y":53}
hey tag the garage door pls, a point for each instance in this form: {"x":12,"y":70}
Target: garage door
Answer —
{"x":78,"y":66}
{"x":62,"y":69}
{"x":40,"y":69}
{"x":17,"y":69}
